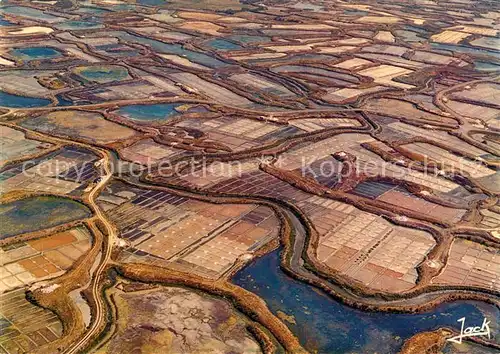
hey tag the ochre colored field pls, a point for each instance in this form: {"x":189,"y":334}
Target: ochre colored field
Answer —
{"x":449,"y":37}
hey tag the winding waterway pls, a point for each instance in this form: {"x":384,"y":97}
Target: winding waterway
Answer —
{"x":327,"y":326}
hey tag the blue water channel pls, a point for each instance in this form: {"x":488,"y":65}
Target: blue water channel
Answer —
{"x":355,"y":12}
{"x":78,"y":25}
{"x":327,"y":326}
{"x":15,"y":101}
{"x":35,"y":53}
{"x":150,"y":112}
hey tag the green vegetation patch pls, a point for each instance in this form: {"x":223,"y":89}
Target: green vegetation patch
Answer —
{"x":38,"y":213}
{"x":102,"y":73}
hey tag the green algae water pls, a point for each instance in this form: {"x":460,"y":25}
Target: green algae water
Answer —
{"x":31,"y":13}
{"x":36,"y":213}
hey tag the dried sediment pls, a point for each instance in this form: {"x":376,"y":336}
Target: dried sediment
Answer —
{"x":247,"y":302}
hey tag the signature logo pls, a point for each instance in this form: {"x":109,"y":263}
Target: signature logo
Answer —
{"x":471,"y":331}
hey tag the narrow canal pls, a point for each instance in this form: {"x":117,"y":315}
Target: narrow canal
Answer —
{"x":327,"y":326}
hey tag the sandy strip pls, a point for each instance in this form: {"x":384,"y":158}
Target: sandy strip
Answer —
{"x":31,"y":30}
{"x":6,"y":62}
